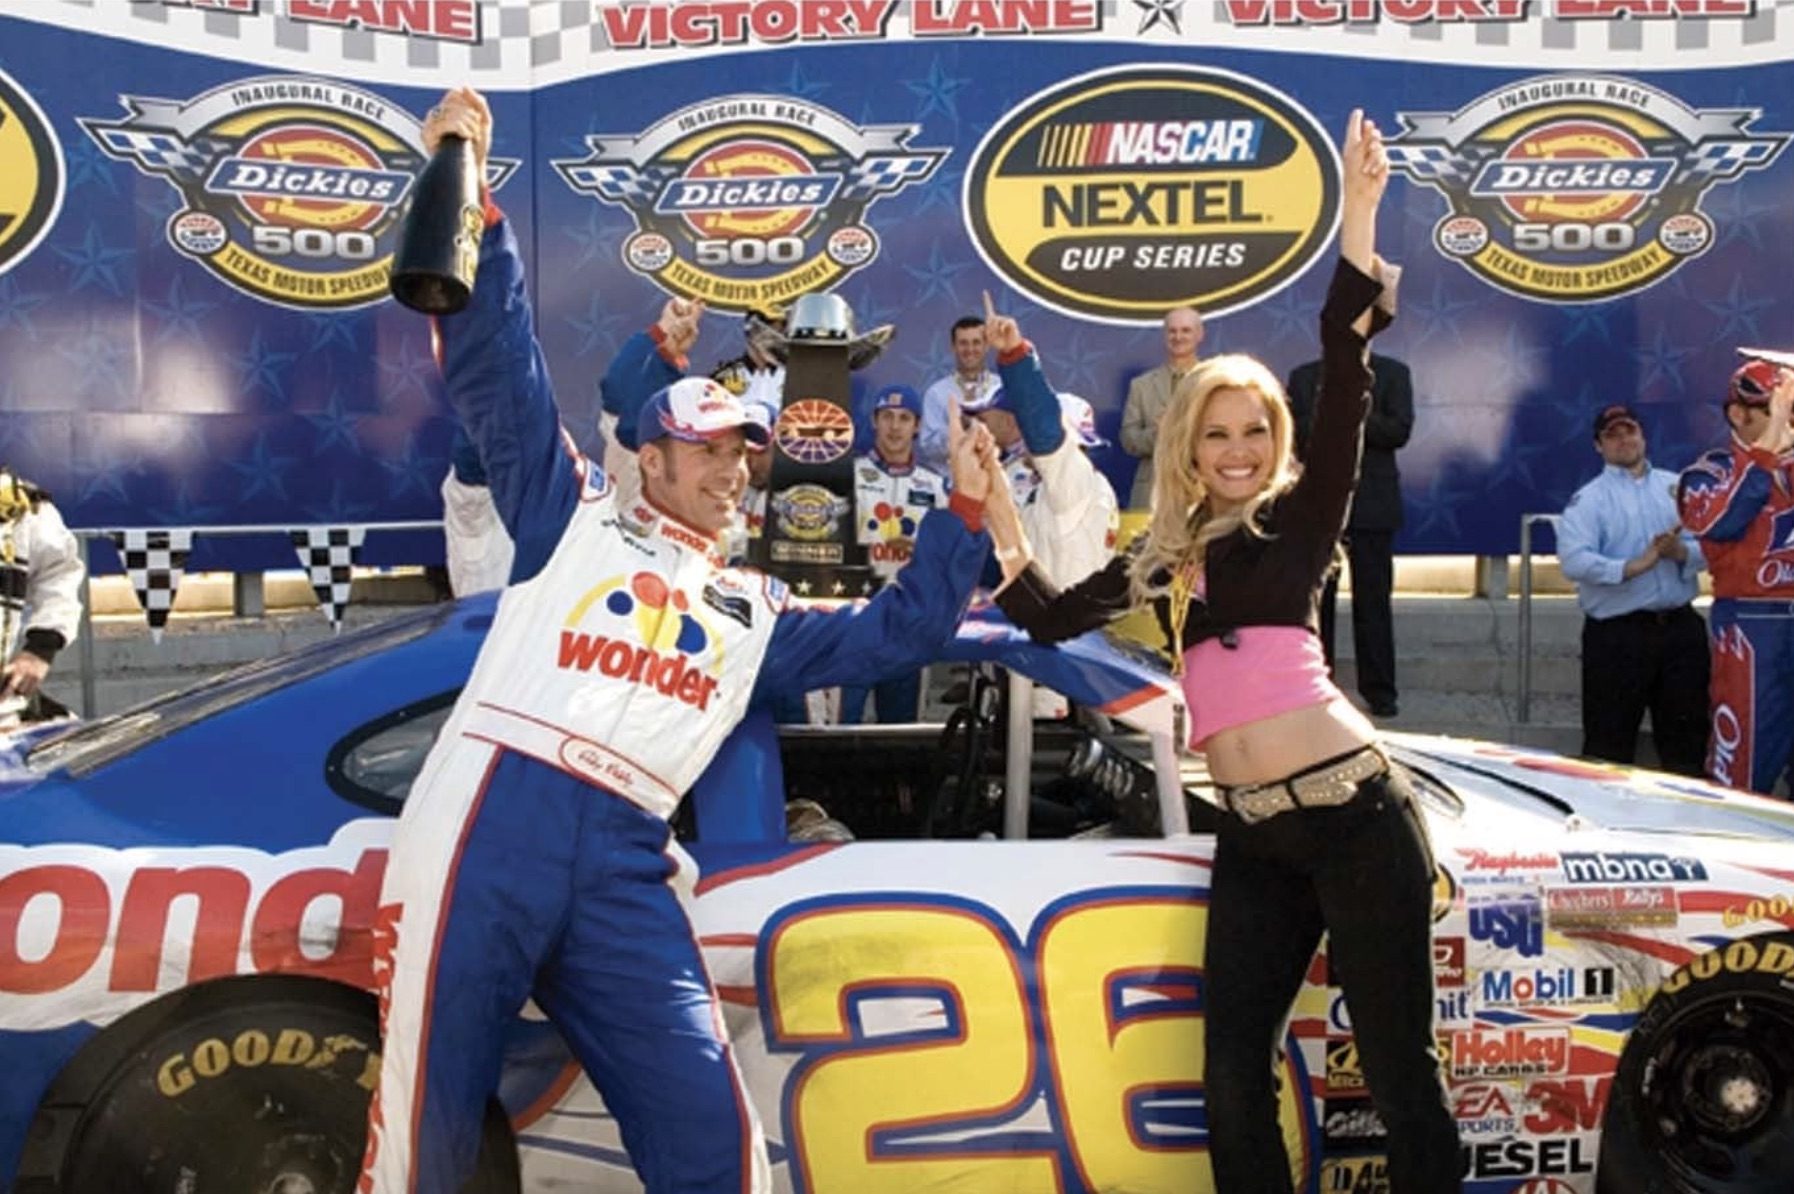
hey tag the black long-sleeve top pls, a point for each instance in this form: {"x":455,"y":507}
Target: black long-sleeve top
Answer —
{"x":1275,"y":577}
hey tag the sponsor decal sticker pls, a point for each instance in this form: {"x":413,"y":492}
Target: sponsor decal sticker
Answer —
{"x":1574,"y":188}
{"x":1119,"y":193}
{"x":1544,"y":986}
{"x":1515,"y":921}
{"x":1355,"y":1175}
{"x":293,"y":186}
{"x":747,"y":201}
{"x":652,"y":638}
{"x":1603,"y":866}
{"x":1529,"y":1158}
{"x":1448,"y":962}
{"x":1509,"y":1052}
{"x":32,"y":177}
{"x":1610,"y":907}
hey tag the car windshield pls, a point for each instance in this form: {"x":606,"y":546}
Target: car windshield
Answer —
{"x":87,"y":746}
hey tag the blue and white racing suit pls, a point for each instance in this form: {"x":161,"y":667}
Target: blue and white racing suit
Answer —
{"x":533,"y":858}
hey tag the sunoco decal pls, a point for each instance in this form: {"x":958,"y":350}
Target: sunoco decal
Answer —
{"x":750,"y":200}
{"x":1120,"y":193}
{"x":31,"y":174}
{"x":1569,"y":188}
{"x":293,"y":186}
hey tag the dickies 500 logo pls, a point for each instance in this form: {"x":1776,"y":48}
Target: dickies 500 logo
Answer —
{"x":1571,"y":188}
{"x":1118,"y":194}
{"x":293,"y":186}
{"x":750,"y":200}
{"x":31,"y":174}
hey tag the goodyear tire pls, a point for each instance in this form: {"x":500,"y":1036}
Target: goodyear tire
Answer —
{"x":1703,"y":1100}
{"x":241,"y":1085}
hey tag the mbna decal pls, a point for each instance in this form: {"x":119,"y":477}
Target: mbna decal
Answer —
{"x":1120,"y":193}
{"x":293,"y":187}
{"x":1574,"y":188}
{"x":32,"y":178}
{"x":747,"y":201}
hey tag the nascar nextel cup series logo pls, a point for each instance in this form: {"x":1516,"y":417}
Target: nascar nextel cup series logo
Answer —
{"x":31,"y":174}
{"x":293,"y":186}
{"x":1118,"y":194}
{"x":750,"y":200}
{"x":1570,"y":188}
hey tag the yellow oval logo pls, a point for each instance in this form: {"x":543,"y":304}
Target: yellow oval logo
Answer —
{"x":1118,"y":194}
{"x":31,"y":174}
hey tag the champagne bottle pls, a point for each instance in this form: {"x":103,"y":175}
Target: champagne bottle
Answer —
{"x":439,"y":240}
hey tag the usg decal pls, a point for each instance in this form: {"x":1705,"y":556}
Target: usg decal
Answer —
{"x":1120,"y":193}
{"x":1572,"y":188}
{"x":748,"y":201}
{"x":293,"y":186}
{"x":32,"y":178}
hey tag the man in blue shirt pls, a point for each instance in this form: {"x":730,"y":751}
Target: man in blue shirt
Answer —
{"x":1635,"y":569}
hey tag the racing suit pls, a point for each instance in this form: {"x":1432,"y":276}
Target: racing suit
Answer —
{"x":890,"y":502}
{"x":1740,"y":501}
{"x":40,"y":582}
{"x":533,"y":856}
{"x":476,"y":546}
{"x":1067,"y":508}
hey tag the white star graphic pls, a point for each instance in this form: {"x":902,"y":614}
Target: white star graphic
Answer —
{"x":1155,"y":11}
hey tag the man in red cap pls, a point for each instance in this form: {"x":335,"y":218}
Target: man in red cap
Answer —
{"x":1740,"y":500}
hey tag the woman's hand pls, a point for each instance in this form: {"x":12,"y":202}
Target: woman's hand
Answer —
{"x":462,"y":113}
{"x":1004,"y":521}
{"x":1366,"y":174}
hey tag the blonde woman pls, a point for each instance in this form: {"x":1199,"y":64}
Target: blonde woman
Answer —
{"x":1321,"y":835}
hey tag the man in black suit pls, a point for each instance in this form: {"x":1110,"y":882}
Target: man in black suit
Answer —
{"x":1370,"y":531}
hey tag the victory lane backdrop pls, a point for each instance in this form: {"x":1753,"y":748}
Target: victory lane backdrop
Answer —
{"x":143,"y":387}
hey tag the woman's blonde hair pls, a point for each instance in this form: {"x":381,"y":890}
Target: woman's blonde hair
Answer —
{"x":1182,"y":525}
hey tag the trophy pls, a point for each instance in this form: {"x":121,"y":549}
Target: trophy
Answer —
{"x":811,"y":539}
{"x":439,"y":240}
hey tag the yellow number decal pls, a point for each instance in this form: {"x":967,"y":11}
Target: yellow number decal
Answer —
{"x":911,"y":1017}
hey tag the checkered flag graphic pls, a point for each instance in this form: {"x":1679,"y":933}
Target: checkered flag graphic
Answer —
{"x":1727,"y":159}
{"x":159,"y":152}
{"x":328,"y":554}
{"x":154,"y":560}
{"x":1429,"y":163}
{"x":882,"y":175}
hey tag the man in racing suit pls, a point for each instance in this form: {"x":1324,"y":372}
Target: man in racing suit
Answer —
{"x":1067,"y":508}
{"x":533,"y":857}
{"x":892,"y":494}
{"x":40,"y":592}
{"x":1740,"y":501}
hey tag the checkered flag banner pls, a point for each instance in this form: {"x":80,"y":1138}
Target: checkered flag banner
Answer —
{"x":154,"y":560}
{"x":328,"y":554}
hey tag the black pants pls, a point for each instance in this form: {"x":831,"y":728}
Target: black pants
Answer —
{"x":1363,"y":872}
{"x":1371,"y":554}
{"x":1654,"y":660}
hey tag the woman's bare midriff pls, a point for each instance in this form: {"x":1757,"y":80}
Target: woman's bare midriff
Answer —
{"x":1276,"y":747}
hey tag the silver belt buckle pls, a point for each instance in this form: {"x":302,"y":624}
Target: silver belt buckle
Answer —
{"x":1254,"y":804}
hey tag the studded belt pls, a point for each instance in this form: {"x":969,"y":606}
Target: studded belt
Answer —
{"x":1324,"y":786}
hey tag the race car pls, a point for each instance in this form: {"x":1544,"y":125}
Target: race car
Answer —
{"x":986,"y":976}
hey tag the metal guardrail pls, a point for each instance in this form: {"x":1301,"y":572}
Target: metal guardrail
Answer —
{"x":1523,"y":701}
{"x":85,"y":535}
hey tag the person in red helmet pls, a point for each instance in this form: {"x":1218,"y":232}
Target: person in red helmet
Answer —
{"x":1740,"y":500}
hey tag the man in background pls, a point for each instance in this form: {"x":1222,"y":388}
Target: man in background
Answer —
{"x":40,"y":593}
{"x":1150,"y":393}
{"x":969,"y":382}
{"x":1636,"y":574}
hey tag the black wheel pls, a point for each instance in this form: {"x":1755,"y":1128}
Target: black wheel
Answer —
{"x":1703,"y":1100}
{"x":247,"y":1086}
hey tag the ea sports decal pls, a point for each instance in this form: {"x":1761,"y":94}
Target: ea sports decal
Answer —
{"x":32,"y":178}
{"x":750,"y":200}
{"x":1570,"y":188}
{"x":1120,"y":193}
{"x":293,"y":186}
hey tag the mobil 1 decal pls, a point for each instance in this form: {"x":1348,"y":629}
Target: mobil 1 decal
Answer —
{"x":1571,"y":188}
{"x":31,"y":174}
{"x":747,"y":201}
{"x":1119,"y":193}
{"x":292,"y":187}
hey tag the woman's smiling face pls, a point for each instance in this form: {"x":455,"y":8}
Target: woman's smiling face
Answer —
{"x":1235,"y":451}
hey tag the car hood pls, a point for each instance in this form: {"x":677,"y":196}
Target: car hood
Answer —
{"x":1590,"y":795}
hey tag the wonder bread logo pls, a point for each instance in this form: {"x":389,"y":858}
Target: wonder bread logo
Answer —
{"x":293,"y":186}
{"x":750,"y":200}
{"x":1571,"y":188}
{"x":31,"y":175}
{"x":1120,"y":193}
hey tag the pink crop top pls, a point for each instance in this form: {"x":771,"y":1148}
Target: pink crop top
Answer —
{"x":1271,"y":670}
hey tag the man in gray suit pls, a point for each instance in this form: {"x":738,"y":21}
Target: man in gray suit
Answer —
{"x":1150,"y":393}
